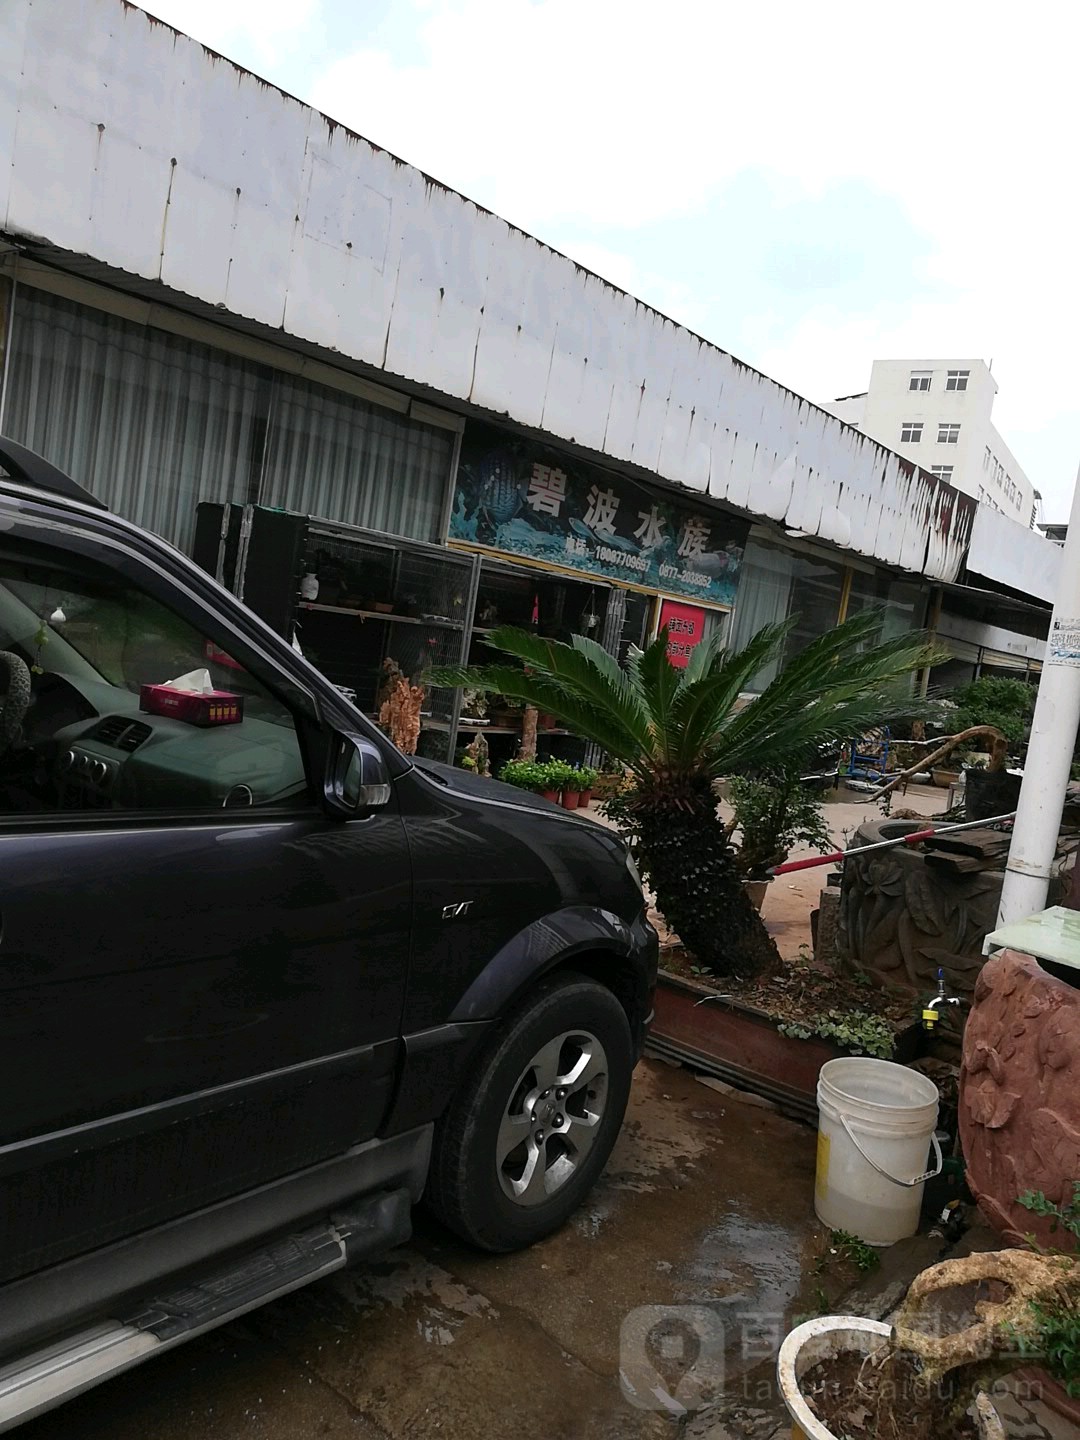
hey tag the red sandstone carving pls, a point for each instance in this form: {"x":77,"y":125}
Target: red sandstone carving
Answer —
{"x":1020,"y":1093}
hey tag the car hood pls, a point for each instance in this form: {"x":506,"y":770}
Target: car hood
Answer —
{"x":466,"y":783}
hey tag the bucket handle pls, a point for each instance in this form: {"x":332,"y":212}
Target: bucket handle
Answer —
{"x":908,"y":1184}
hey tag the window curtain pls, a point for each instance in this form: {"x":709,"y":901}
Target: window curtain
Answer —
{"x":775,"y":584}
{"x":149,"y":422}
{"x":343,"y":459}
{"x":764,"y":594}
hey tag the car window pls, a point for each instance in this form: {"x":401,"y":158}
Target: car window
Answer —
{"x":130,"y":706}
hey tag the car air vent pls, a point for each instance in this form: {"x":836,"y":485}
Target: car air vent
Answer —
{"x":110,"y":729}
{"x":121,"y":733}
{"x":134,"y":736}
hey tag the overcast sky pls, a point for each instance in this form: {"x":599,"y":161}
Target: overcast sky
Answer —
{"x":810,"y":186}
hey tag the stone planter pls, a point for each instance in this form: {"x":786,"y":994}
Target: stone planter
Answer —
{"x":1020,"y":1093}
{"x":739,"y":1044}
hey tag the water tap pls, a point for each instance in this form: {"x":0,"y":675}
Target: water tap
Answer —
{"x":932,"y":1007}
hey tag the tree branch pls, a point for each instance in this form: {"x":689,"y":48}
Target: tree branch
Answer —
{"x":998,"y":754}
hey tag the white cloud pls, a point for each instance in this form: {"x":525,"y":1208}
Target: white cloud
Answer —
{"x":262,"y":29}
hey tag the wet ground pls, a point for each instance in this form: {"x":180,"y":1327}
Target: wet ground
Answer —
{"x":686,"y":1266}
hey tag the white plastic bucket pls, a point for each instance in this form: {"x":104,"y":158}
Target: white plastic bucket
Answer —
{"x":876,"y":1124}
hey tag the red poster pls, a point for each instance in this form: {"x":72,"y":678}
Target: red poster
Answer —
{"x":685,"y":627}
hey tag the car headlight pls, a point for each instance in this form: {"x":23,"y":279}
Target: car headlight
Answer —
{"x":635,"y":873}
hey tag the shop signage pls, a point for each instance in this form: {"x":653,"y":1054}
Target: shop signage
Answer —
{"x":515,"y":498}
{"x":686,"y":628}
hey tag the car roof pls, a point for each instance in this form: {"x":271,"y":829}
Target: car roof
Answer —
{"x":28,"y":468}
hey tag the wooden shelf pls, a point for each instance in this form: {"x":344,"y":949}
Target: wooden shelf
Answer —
{"x":388,"y":615}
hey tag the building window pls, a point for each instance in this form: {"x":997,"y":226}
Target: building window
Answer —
{"x":947,"y":434}
{"x":911,"y":432}
{"x":945,"y":471}
{"x":920,"y":380}
{"x":956,"y":379}
{"x":988,"y":459}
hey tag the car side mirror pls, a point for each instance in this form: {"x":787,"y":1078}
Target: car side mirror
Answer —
{"x":357,"y":780}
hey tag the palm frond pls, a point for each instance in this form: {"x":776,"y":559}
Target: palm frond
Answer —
{"x":659,"y":682}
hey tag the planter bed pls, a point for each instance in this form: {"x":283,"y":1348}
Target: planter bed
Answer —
{"x":728,"y":1036}
{"x":737,"y":1043}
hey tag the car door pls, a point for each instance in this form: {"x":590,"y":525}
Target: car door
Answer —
{"x":201,"y":971}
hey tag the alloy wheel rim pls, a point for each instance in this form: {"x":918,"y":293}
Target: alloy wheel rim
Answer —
{"x":552,"y":1119}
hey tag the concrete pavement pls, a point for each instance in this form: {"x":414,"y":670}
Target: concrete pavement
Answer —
{"x":707,"y":1203}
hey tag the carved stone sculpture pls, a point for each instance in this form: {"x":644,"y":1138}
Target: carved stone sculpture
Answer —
{"x":1020,"y":1093}
{"x":900,"y":920}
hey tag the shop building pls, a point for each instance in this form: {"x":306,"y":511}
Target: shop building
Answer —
{"x":393,"y":421}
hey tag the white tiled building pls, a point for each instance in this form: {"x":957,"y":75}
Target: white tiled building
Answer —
{"x":937,"y":413}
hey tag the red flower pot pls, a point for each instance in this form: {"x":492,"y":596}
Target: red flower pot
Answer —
{"x":552,"y":795}
{"x":570,"y":799}
{"x":584,"y":799}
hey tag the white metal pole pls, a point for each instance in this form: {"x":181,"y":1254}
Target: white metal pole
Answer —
{"x":1053,"y":737}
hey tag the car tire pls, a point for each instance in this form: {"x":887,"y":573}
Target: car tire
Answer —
{"x":516,"y":1152}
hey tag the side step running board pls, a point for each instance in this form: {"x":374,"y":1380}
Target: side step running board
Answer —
{"x":48,"y":1376}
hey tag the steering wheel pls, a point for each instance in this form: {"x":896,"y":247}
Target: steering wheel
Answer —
{"x":16,"y":702}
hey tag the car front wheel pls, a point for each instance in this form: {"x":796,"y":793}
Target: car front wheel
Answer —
{"x":527,"y":1136}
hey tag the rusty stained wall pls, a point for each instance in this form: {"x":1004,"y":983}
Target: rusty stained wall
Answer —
{"x":121,"y":140}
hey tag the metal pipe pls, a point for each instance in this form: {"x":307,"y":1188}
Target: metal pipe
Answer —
{"x":914,"y":837}
{"x":1050,"y":750}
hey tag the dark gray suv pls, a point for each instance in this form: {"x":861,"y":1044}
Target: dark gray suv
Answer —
{"x":264,"y":981}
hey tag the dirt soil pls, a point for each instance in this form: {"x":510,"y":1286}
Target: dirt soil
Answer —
{"x":800,"y":990}
{"x":856,"y":1396}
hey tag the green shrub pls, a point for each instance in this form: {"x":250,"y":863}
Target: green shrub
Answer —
{"x":1055,"y":1340}
{"x":525,"y":774}
{"x":855,"y":1030}
{"x":561,"y":776}
{"x":775,"y":813}
{"x":1005,"y":704}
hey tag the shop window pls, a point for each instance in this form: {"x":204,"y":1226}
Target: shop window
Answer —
{"x":902,"y":601}
{"x":774,"y":584}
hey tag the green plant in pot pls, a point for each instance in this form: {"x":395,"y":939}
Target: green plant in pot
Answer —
{"x":587,"y":778}
{"x":774,"y":812}
{"x":563,"y":779}
{"x":678,"y":731}
{"x":526,"y":775}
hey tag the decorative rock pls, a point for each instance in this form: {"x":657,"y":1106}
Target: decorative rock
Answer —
{"x":1020,"y":1093}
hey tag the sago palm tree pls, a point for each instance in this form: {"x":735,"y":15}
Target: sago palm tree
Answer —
{"x":678,"y":731}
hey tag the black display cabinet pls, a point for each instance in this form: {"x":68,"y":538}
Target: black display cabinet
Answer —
{"x":352,"y":599}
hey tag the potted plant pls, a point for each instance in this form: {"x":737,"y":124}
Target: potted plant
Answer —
{"x":773,"y":812}
{"x":843,"y":1377}
{"x":529,"y":775}
{"x":587,"y":780}
{"x":564,"y":778}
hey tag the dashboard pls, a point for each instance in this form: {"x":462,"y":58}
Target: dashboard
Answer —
{"x":90,"y":747}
